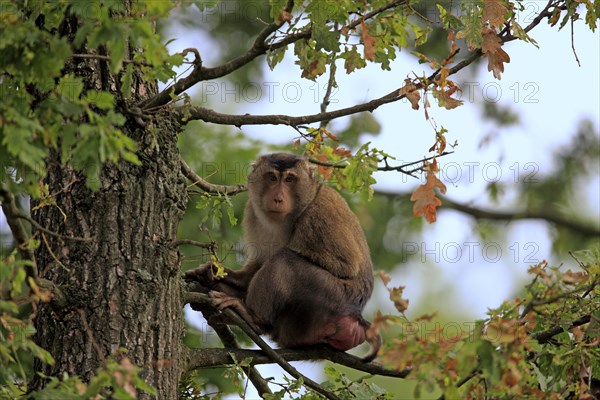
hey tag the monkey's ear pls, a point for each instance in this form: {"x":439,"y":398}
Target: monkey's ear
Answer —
{"x":311,"y":170}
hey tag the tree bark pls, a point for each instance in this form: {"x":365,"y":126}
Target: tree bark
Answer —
{"x":123,"y":287}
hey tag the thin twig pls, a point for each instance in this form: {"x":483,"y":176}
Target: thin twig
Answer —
{"x":207,"y":186}
{"x":180,"y":242}
{"x":330,"y":84}
{"x":573,"y":42}
{"x":52,"y":233}
{"x":108,"y":58}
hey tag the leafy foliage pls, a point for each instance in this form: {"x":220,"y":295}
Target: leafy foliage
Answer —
{"x":540,"y":345}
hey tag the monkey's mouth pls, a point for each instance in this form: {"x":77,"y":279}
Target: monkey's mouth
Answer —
{"x":277,"y":214}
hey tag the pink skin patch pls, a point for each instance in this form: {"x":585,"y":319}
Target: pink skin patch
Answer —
{"x":349,"y":333}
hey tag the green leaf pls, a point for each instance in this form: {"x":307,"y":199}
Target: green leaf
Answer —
{"x":126,"y":81}
{"x":471,"y":32}
{"x":102,"y":100}
{"x":275,"y":57}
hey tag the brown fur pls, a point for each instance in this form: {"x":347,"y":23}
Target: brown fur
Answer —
{"x":309,"y":273}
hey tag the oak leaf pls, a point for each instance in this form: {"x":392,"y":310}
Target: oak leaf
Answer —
{"x":412,"y":94}
{"x":324,"y":170}
{"x":368,"y":42}
{"x":492,"y":49}
{"x":445,"y":99}
{"x":424,"y":197}
{"x":495,"y":11}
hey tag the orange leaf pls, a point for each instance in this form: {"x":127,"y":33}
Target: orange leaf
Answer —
{"x":331,"y":135}
{"x":424,"y":197}
{"x":412,"y":94}
{"x":400,"y":303}
{"x":445,"y":99}
{"x":342,"y":152}
{"x":494,"y":11}
{"x":323,"y":170}
{"x":492,"y":49}
{"x":385,"y":278}
{"x":368,"y":42}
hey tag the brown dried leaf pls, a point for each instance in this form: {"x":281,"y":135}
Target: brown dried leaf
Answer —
{"x":323,"y":170}
{"x":445,"y":98}
{"x":495,"y":11}
{"x":385,"y":278}
{"x":368,"y":42}
{"x":424,"y":197}
{"x":400,"y":303}
{"x":492,"y":49}
{"x":412,"y":94}
{"x":573,"y":278}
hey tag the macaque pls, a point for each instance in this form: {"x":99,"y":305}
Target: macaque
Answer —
{"x":309,"y":272}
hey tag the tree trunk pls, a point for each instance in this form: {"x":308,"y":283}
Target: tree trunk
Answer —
{"x":123,"y":287}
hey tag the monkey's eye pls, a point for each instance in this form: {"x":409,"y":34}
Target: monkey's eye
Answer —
{"x":290,"y":178}
{"x":272,"y":178}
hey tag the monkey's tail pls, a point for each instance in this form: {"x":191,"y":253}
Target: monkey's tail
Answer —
{"x":374,"y":341}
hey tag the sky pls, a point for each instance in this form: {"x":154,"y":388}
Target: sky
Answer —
{"x":545,"y":85}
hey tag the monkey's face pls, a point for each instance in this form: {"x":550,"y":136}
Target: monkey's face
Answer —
{"x":281,"y":186}
{"x":278,"y":191}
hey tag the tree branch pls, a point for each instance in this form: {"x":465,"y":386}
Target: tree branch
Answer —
{"x":259,"y":48}
{"x":207,"y":186}
{"x":200,"y":73}
{"x":229,"y":341}
{"x":552,"y":217}
{"x":202,"y":298}
{"x":207,"y":115}
{"x":186,"y":114}
{"x":210,"y":358}
{"x":181,"y":242}
{"x":481,"y":213}
{"x":545,"y":336}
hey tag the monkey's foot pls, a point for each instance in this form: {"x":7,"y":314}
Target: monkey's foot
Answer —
{"x":223,"y":300}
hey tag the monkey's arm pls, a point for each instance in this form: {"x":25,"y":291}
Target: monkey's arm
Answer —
{"x":234,"y":282}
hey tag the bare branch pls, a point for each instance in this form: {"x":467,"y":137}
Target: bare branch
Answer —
{"x":551,"y":216}
{"x":480,"y":213}
{"x":209,"y":187}
{"x":181,"y":242}
{"x":186,"y":114}
{"x":210,"y":358}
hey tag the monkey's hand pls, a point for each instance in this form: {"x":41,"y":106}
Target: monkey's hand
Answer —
{"x":223,"y":300}
{"x":204,"y":274}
